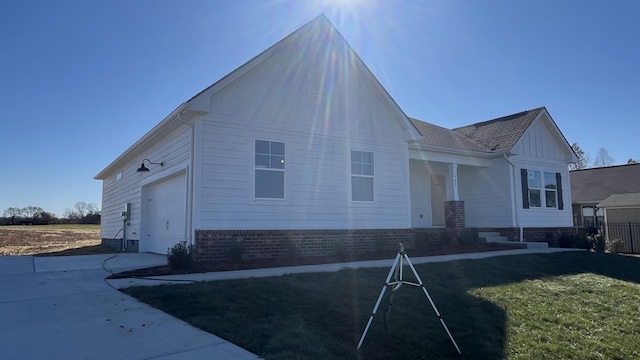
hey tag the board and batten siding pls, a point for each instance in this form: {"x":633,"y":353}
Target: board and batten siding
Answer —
{"x":274,"y":102}
{"x":173,"y":150}
{"x":539,"y":150}
{"x":540,"y":142}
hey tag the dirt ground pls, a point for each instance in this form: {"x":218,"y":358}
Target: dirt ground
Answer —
{"x":50,"y":240}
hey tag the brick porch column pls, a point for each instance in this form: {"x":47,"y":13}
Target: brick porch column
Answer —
{"x":454,"y":214}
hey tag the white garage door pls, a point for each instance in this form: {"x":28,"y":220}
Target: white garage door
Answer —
{"x":164,"y":214}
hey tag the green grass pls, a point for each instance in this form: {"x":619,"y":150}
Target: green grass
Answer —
{"x":573,"y":305}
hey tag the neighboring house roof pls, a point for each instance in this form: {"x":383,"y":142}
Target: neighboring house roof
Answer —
{"x":500,"y":134}
{"x":591,"y":186}
{"x":621,"y":200}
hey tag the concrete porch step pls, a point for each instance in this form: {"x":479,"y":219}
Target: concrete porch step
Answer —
{"x":492,"y":236}
{"x":529,"y":244}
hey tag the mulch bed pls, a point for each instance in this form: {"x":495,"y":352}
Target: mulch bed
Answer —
{"x":441,"y":249}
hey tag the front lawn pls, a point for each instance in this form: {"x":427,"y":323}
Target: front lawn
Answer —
{"x":574,"y":305}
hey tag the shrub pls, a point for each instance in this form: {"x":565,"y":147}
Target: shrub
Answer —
{"x":615,"y":245}
{"x":599,"y":243}
{"x":236,"y":251}
{"x":180,"y":256}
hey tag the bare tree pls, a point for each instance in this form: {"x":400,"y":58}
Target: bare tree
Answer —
{"x":583,"y":158}
{"x":32,"y":212}
{"x":13,"y":212}
{"x":69,"y":214}
{"x":603,"y":158}
{"x":92,"y":209}
{"x":81,"y":209}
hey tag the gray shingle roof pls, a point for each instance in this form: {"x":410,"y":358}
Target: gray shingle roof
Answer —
{"x":495,"y":135}
{"x":438,"y":136}
{"x":500,"y":134}
{"x":621,"y":200}
{"x":597,"y":184}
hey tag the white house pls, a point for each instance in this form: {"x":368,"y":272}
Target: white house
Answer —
{"x":303,"y":145}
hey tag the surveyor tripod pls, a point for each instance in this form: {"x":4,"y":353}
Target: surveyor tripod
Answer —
{"x":397,"y":272}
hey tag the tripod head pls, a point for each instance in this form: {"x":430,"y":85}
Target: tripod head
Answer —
{"x":401,"y":251}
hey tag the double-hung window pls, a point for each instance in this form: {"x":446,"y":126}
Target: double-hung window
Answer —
{"x":269,"y":169}
{"x":541,"y":190}
{"x":535,"y":186}
{"x":550,"y":190}
{"x":361,"y":175}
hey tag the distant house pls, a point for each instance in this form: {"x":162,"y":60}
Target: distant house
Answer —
{"x":302,"y":145}
{"x":593,"y":190}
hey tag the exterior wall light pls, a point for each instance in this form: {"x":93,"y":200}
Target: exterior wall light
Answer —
{"x":143,"y":168}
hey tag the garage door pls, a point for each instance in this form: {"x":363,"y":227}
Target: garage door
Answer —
{"x":164,"y":214}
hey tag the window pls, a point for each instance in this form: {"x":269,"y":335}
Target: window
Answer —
{"x":269,"y":169}
{"x":361,"y":176}
{"x":534,"y":188}
{"x":550,"y":190}
{"x":538,"y":185}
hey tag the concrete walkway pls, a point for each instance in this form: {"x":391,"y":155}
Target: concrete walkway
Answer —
{"x":269,"y":272}
{"x":61,"y":308}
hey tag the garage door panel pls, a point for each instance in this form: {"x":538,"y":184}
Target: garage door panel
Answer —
{"x":164,"y":214}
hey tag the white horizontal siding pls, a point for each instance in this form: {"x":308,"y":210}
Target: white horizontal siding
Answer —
{"x":486,"y":194}
{"x":173,"y":150}
{"x":317,"y":183}
{"x":273,"y":102}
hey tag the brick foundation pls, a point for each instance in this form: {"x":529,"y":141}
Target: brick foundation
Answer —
{"x":221,"y":245}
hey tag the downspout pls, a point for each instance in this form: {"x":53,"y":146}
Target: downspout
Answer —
{"x":514,"y":211}
{"x":190,"y":179}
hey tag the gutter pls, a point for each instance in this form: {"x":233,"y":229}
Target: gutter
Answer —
{"x":167,"y":121}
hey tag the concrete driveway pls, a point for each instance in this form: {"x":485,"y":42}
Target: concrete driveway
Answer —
{"x":61,"y":308}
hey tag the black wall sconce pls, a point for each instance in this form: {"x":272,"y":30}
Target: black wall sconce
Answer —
{"x":143,"y":168}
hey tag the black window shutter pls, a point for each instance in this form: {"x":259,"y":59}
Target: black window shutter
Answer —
{"x":559,"y":185}
{"x":525,"y":188}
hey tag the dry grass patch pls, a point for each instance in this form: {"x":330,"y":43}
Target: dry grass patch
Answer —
{"x":50,"y":239}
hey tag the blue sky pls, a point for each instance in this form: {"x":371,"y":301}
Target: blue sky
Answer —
{"x":83,"y":80}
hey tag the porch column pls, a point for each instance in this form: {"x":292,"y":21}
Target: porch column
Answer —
{"x":453,"y":175}
{"x":454,"y":207}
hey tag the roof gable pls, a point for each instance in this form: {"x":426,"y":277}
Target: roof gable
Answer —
{"x":317,"y":30}
{"x":591,"y":186}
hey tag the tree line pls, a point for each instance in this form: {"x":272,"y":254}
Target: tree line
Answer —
{"x":81,"y":213}
{"x":602,"y":159}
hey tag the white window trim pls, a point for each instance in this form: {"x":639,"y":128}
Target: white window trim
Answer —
{"x":254,"y":168}
{"x":351,"y":175}
{"x":543,"y":190}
